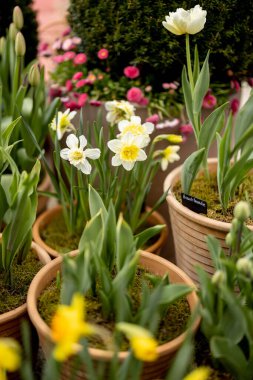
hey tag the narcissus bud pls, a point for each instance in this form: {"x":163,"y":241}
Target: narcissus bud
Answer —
{"x":18,"y":18}
{"x":245,"y":266}
{"x":235,"y":224}
{"x":242,"y":211}
{"x":229,"y":239}
{"x":2,"y":45}
{"x":34,"y":75}
{"x":12,"y":31}
{"x":20,"y":46}
{"x":219,"y":277}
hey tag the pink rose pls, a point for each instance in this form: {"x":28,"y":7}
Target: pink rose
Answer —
{"x":144,"y":101}
{"x":81,"y":83}
{"x":234,"y":105}
{"x":69,"y":85}
{"x":103,"y":54}
{"x":235,"y":85}
{"x":186,"y":129}
{"x":69,"y":55}
{"x":58,"y":58}
{"x":68,"y":44}
{"x":78,"y":75}
{"x":82,"y":99}
{"x":134,"y":95}
{"x":80,"y":59}
{"x":209,"y":101}
{"x":95,"y":103}
{"x":153,"y":118}
{"x":131,"y":72}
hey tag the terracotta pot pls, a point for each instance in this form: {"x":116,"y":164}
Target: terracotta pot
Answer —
{"x":191,"y":229}
{"x":155,"y":265}
{"x":45,"y":218}
{"x":10,"y":321}
{"x":45,"y":185}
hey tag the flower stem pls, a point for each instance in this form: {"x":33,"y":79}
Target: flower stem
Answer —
{"x":189,"y":64}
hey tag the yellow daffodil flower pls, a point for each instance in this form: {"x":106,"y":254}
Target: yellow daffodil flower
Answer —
{"x":143,"y":344}
{"x":174,"y":139}
{"x":135,"y":127}
{"x":68,"y":326}
{"x":118,"y":110}
{"x":62,"y":123}
{"x":10,"y":356}
{"x":169,"y":155}
{"x":200,"y":373}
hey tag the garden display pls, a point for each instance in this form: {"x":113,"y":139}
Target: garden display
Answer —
{"x":106,"y":305}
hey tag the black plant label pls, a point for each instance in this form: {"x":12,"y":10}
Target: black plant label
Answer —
{"x":194,"y":204}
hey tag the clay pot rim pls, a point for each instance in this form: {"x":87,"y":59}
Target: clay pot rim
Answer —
{"x":44,"y":330}
{"x":199,"y":219}
{"x":46,"y":216}
{"x":18,"y":311}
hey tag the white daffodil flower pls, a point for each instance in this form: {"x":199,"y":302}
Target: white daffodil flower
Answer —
{"x":127,"y":150}
{"x":76,"y":154}
{"x":169,"y":155}
{"x":135,"y":127}
{"x":182,"y":21}
{"x":63,"y":123}
{"x":118,"y":110}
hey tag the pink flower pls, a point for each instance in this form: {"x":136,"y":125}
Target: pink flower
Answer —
{"x":148,"y":88}
{"x":144,"y":101}
{"x":55,"y":91}
{"x":103,"y":54}
{"x":81,"y":83}
{"x":134,"y":95}
{"x":186,"y":129}
{"x":78,"y":75}
{"x":66,"y":31}
{"x":234,"y":105}
{"x":69,"y":55}
{"x":80,"y":59}
{"x":172,"y":86}
{"x":250,"y":82}
{"x":42,"y":46}
{"x":72,"y":105}
{"x":69,"y":85}
{"x":153,"y":118}
{"x":95,"y":103}
{"x":168,"y":123}
{"x":68,"y":44}
{"x":76,"y":40}
{"x":131,"y":72}
{"x":58,"y":58}
{"x":209,"y":101}
{"x":82,"y":99}
{"x":57,"y":44}
{"x":234,"y":84}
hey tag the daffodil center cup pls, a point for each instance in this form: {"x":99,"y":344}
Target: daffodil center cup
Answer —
{"x":64,"y":122}
{"x":135,"y":129}
{"x":76,"y":155}
{"x":129,"y":153}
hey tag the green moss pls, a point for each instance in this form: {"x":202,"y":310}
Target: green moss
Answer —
{"x":172,"y":325}
{"x":207,"y":190}
{"x":56,"y":235}
{"x":22,"y":275}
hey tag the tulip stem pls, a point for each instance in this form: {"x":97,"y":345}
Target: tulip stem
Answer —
{"x":189,"y":64}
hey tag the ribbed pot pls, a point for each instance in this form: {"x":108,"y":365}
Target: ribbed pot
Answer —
{"x":166,"y":352}
{"x":45,"y":218}
{"x":191,"y":229}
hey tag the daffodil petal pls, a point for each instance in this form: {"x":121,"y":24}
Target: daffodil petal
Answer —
{"x":114,"y":145}
{"x":82,"y":141}
{"x":85,"y":167}
{"x":64,"y":153}
{"x":128,"y":165}
{"x":92,"y":153}
{"x":116,"y":161}
{"x":72,"y":141}
{"x":142,"y":155}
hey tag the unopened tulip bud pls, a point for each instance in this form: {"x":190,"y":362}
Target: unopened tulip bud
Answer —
{"x":218,"y":278}
{"x":34,"y":75}
{"x":229,"y":239}
{"x":13,"y":31}
{"x":242,"y":211}
{"x":245,"y":266}
{"x":2,"y":45}
{"x":20,"y":46}
{"x":18,"y":18}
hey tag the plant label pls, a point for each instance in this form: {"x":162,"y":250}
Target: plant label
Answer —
{"x":194,"y":204}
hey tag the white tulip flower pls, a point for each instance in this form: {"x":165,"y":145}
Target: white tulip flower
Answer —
{"x":185,"y":22}
{"x":118,"y":110}
{"x":76,"y":154}
{"x":128,"y":150}
{"x":63,"y":123}
{"x":135,"y":127}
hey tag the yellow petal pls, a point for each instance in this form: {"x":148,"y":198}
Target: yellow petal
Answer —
{"x":144,"y":348}
{"x":200,"y":373}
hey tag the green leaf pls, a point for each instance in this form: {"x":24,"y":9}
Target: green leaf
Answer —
{"x":196,"y":64}
{"x":244,"y":118}
{"x":190,"y":169}
{"x":201,"y":87}
{"x":96,"y":203}
{"x":8,"y":130}
{"x":188,"y":97}
{"x":93,"y":229}
{"x":125,"y":243}
{"x":173,"y":292}
{"x":147,"y":234}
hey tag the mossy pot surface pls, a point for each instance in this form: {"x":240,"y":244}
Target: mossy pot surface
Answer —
{"x":166,"y":352}
{"x":53,"y":218}
{"x":10,"y":321}
{"x":191,"y":229}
